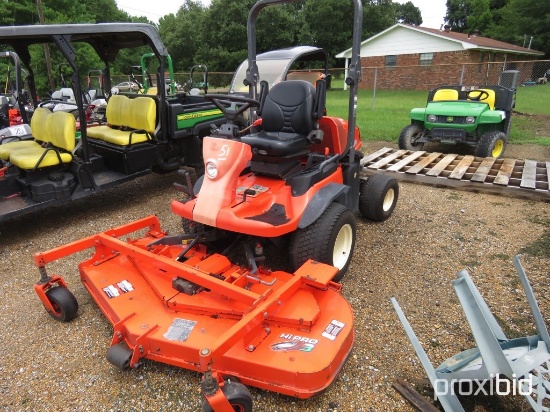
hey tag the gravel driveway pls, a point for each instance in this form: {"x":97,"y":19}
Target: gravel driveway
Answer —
{"x":433,"y":233}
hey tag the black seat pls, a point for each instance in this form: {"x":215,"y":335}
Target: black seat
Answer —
{"x":288,"y":117}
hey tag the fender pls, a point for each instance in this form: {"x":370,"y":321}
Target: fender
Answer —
{"x":321,"y":200}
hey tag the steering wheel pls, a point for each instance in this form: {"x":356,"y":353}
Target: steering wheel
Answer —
{"x":482,"y":95}
{"x":232,"y":112}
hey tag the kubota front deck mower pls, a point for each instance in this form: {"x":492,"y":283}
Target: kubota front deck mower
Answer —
{"x":294,"y":182}
{"x":173,"y":299}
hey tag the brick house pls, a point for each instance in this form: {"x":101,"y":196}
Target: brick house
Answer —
{"x":414,"y":57}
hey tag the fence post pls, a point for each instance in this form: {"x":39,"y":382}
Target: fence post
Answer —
{"x":374,"y":87}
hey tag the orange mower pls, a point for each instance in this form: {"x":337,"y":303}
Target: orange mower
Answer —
{"x":178,"y":299}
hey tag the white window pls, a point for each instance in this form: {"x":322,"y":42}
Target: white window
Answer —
{"x":391,"y":60}
{"x":426,"y":59}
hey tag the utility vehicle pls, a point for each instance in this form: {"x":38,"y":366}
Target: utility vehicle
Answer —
{"x":175,"y":299}
{"x":159,"y":132}
{"x":479,"y":117}
{"x":15,"y":105}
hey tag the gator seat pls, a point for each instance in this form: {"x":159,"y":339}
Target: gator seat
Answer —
{"x":445,"y":94}
{"x":130,"y":121}
{"x":490,"y":99}
{"x":38,"y":130}
{"x":287,"y":120}
{"x":59,"y":136}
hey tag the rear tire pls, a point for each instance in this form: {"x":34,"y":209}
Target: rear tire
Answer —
{"x":378,"y":197}
{"x":491,"y":144}
{"x":64,"y":304}
{"x":408,"y":136}
{"x":238,"y":396}
{"x":330,"y":239}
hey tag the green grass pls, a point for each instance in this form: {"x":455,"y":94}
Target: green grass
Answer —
{"x":383,"y":116}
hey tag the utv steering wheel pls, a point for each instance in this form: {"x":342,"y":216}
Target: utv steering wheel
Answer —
{"x":232,"y":112}
{"x":482,"y":94}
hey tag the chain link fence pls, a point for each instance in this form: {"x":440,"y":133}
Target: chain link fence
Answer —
{"x":407,"y":78}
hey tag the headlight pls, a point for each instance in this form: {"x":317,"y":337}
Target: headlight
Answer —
{"x":211,"y":170}
{"x":432,"y":118}
{"x":470,"y":119}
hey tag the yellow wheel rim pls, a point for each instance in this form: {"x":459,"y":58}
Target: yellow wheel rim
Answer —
{"x":497,"y":150}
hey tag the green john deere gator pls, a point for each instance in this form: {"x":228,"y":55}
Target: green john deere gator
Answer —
{"x":478,"y":117}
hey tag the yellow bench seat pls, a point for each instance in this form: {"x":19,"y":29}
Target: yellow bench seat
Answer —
{"x":130,"y":121}
{"x":7,"y":148}
{"x":116,"y":136}
{"x":58,"y":131}
{"x":39,"y":131}
{"x":29,"y":158}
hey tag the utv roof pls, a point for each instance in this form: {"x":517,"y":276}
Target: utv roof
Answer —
{"x":305,"y":53}
{"x":106,"y":38}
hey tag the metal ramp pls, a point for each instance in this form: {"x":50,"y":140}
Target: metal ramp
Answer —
{"x":510,"y":177}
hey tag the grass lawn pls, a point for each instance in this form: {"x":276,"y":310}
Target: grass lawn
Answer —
{"x":381,"y":117}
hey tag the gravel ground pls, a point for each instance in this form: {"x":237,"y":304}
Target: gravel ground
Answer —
{"x":433,"y":233}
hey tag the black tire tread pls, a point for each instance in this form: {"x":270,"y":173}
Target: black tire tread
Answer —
{"x":404,"y":141}
{"x":487,"y":142}
{"x":65,"y":301}
{"x":371,"y":197}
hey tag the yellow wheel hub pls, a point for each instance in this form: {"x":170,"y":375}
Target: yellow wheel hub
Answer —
{"x":498,"y":149}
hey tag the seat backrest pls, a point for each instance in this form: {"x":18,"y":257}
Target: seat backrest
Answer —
{"x":143,"y":114}
{"x":38,"y":123}
{"x":490,"y":100}
{"x":117,"y":110}
{"x":61,"y":130}
{"x":445,"y":94}
{"x":289,"y":108}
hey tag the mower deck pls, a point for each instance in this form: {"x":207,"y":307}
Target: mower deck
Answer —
{"x":289,"y":333}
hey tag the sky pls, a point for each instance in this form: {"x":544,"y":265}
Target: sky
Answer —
{"x":432,"y":11}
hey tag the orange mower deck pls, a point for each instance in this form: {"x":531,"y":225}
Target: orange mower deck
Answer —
{"x":288,"y":333}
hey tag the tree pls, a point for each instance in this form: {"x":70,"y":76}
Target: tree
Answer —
{"x":408,"y":13}
{"x":457,"y":14}
{"x":224,"y":44}
{"x":521,"y":19}
{"x":180,"y":33}
{"x":481,"y":18}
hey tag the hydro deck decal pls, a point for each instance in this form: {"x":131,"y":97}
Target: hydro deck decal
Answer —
{"x":112,"y":291}
{"x":333,"y":329}
{"x":293,"y":343}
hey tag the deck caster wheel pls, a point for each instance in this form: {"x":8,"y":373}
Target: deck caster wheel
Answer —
{"x":330,"y":239}
{"x":238,"y":396}
{"x":63,"y":302}
{"x":120,"y":355}
{"x":378,"y":197}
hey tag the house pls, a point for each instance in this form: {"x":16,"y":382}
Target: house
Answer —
{"x":413,"y":57}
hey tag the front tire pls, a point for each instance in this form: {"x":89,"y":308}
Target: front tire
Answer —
{"x":377,"y":197}
{"x":238,"y":396}
{"x":491,"y":144}
{"x":408,"y":136}
{"x":330,"y":239}
{"x":64,"y":304}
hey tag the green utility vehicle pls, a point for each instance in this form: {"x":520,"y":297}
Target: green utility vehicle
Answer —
{"x":60,"y":161}
{"x":478,"y":117}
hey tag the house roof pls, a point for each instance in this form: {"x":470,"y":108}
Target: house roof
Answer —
{"x":435,"y":40}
